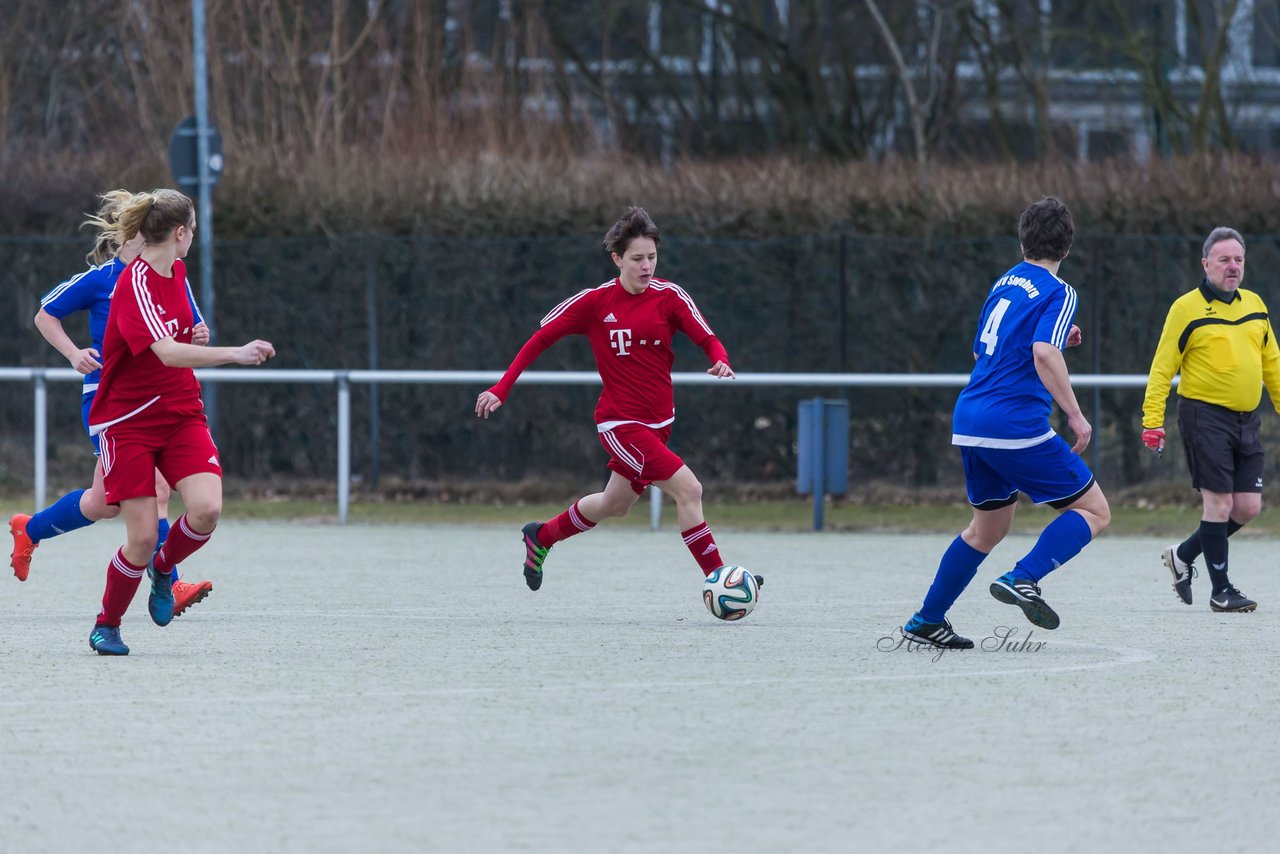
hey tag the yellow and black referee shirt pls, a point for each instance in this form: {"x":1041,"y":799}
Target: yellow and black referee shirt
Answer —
{"x":1225,"y":352}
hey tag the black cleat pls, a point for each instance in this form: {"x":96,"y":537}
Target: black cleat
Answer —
{"x":939,"y":635}
{"x":759,"y":581}
{"x":1231,"y":600}
{"x":534,"y":555}
{"x":1182,"y":573}
{"x":1025,"y":593}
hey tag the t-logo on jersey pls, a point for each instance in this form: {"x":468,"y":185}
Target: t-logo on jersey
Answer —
{"x":620,"y":340}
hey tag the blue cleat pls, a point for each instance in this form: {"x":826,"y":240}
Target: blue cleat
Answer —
{"x":1025,"y":593}
{"x":160,"y":602}
{"x":105,"y":640}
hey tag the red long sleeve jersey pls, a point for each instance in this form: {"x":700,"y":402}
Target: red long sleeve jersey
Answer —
{"x":146,"y":307}
{"x":630,"y":336}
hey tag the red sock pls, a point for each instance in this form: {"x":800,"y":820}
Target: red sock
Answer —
{"x":123,"y":579}
{"x":183,"y":541}
{"x":569,"y":523}
{"x":703,"y":547}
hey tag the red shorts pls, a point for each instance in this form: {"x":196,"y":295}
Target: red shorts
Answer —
{"x":131,"y":453}
{"x":640,"y":454}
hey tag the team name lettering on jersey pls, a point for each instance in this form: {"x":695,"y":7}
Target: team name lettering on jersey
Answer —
{"x":1020,"y":282}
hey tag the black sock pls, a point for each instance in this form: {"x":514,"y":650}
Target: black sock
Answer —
{"x":1190,"y":548}
{"x":1213,"y":538}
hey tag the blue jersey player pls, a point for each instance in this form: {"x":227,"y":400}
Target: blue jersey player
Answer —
{"x":90,"y":291}
{"x":1001,"y":425}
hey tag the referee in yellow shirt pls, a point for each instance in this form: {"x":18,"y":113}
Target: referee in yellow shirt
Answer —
{"x":1219,"y":337}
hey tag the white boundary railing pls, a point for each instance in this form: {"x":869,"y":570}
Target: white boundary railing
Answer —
{"x":40,"y":377}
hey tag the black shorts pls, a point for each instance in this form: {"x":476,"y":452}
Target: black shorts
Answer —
{"x":1222,"y":447}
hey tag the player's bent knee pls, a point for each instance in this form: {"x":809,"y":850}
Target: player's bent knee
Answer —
{"x":618,"y":509}
{"x":688,"y":492}
{"x":985,"y":538}
{"x":142,"y":544}
{"x":1097,"y":514}
{"x":96,"y":508}
{"x":204,"y":516}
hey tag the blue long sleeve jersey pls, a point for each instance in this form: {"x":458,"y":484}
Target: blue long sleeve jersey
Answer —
{"x":1005,"y":405}
{"x":91,"y":291}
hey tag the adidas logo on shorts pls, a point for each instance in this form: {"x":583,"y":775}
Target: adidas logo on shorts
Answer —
{"x":214,"y":460}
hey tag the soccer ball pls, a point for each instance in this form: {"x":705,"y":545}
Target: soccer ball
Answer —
{"x":730,"y":593}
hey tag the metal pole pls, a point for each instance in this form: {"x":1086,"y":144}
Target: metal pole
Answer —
{"x":344,"y":446}
{"x":655,"y":508}
{"x":371,"y":302}
{"x":844,"y":303}
{"x":204,"y":215}
{"x":818,"y":461}
{"x":42,"y":444}
{"x":1097,"y":363}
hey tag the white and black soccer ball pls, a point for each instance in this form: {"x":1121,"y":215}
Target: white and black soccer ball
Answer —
{"x":730,"y":593}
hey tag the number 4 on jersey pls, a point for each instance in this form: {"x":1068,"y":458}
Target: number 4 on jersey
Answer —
{"x":989,"y":336}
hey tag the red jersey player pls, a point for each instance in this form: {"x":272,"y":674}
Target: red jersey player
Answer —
{"x":148,"y":414}
{"x":630,"y":322}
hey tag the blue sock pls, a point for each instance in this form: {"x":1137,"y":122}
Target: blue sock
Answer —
{"x":958,"y":566}
{"x":58,"y":518}
{"x":1059,"y":542}
{"x":162,"y":534}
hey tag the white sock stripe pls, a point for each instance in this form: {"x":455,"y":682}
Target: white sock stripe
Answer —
{"x":124,"y":569}
{"x":578,"y":521}
{"x":697,"y":534}
{"x":186,"y":529}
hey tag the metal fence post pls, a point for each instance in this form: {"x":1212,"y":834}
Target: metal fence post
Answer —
{"x":41,"y":437}
{"x":371,"y":307}
{"x":655,"y":508}
{"x":344,"y":445}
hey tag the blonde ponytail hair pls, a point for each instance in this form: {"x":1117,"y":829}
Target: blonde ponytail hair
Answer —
{"x":106,"y":244}
{"x":154,"y":215}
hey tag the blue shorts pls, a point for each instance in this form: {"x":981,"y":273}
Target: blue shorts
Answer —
{"x":1049,"y":473}
{"x":85,"y":403}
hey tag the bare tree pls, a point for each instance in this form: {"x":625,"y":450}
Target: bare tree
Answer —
{"x":1192,"y":119}
{"x":919,"y":105}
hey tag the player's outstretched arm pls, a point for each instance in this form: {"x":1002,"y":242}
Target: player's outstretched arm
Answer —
{"x":86,"y":360}
{"x":1052,"y":370}
{"x":178,"y":355}
{"x":487,"y":403}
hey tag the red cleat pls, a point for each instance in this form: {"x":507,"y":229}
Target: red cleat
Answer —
{"x":186,"y":594}
{"x":23,"y":548}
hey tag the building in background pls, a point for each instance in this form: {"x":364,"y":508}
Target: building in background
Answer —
{"x":986,"y":78}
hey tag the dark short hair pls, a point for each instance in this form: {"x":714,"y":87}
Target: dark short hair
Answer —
{"x":1218,"y":235}
{"x":634,"y":223}
{"x":1045,"y":230}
